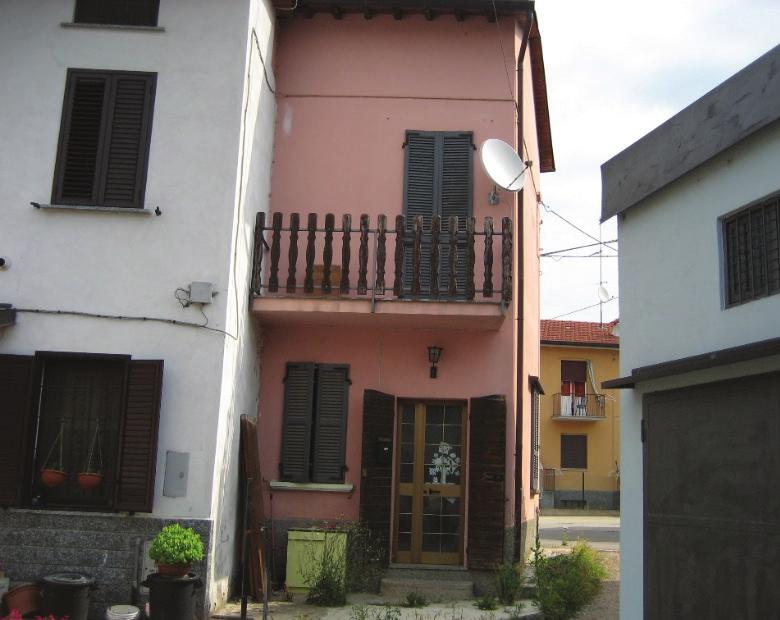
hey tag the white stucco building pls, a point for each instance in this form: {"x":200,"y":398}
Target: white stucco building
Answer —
{"x":145,"y":142}
{"x":699,"y":227}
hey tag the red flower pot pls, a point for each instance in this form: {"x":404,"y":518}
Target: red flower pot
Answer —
{"x":89,"y":480}
{"x":173,"y":570}
{"x":26,"y":598}
{"x":53,"y":477}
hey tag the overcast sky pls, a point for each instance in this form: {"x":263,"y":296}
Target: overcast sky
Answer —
{"x":616,"y":69}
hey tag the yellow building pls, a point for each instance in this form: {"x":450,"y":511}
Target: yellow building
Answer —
{"x":579,"y":423}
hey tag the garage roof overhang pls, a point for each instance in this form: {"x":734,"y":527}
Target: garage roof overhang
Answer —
{"x":729,"y":113}
{"x":477,"y":7}
{"x":721,"y":357}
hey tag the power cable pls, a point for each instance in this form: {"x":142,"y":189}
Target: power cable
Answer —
{"x":581,"y":309}
{"x":549,"y":209}
{"x":576,"y":247}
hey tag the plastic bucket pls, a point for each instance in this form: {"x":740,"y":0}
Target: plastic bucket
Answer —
{"x":67,"y":594}
{"x":122,"y":612}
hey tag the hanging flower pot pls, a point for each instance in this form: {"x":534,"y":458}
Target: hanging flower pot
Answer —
{"x":90,"y":479}
{"x":52,"y":478}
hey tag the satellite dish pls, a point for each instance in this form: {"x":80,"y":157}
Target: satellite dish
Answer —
{"x":502,"y":164}
{"x":616,"y":330}
{"x":604,"y":295}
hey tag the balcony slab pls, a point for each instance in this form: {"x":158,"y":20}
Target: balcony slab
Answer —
{"x":352,"y":312}
{"x":578,"y":418}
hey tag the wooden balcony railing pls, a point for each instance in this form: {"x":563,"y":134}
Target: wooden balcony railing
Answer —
{"x":432,"y":259}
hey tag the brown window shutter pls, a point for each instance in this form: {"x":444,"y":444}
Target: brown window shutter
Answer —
{"x":122,"y":12}
{"x":138,"y":448}
{"x":296,"y":427}
{"x":16,"y":375}
{"x":487,"y":461}
{"x":330,"y":432}
{"x":377,"y":466}
{"x":80,"y":148}
{"x":104,"y":139}
{"x":126,"y":142}
{"x":574,"y":451}
{"x":573,"y":371}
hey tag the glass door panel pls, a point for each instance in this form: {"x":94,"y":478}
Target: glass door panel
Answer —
{"x":429,"y":506}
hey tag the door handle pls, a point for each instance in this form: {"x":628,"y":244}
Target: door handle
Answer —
{"x":433,"y":492}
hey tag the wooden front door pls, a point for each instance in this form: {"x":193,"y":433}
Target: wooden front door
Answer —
{"x":431,"y":481}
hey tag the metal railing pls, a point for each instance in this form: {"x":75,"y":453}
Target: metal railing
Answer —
{"x":571,"y":406}
{"x":432,"y":259}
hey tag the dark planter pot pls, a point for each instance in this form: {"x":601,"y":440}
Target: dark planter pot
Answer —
{"x":67,"y":594}
{"x":172,"y":598}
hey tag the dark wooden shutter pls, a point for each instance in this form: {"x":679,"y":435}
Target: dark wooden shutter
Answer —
{"x":127,"y":136}
{"x":296,"y":427}
{"x":487,"y":461}
{"x":80,"y":148}
{"x":376,"y":466}
{"x":457,"y":154}
{"x":437,"y":181}
{"x":420,"y":190}
{"x":330,"y":432}
{"x":138,"y":446}
{"x":122,"y":12}
{"x":574,"y":372}
{"x":104,"y":139}
{"x":574,"y":451}
{"x":16,"y":375}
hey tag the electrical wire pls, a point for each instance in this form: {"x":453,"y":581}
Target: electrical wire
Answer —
{"x":559,"y":256}
{"x":576,"y":247}
{"x":119,"y":317}
{"x":549,"y":209}
{"x":584,"y":308}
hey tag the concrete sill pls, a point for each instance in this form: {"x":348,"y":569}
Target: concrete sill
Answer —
{"x":278,"y":485}
{"x":125,"y":210}
{"x":112,"y":27}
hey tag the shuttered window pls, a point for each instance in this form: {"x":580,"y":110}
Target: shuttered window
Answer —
{"x":437,"y":181}
{"x":104,"y":138}
{"x":314,"y":428}
{"x":79,"y":413}
{"x":752,"y":252}
{"x":574,"y":451}
{"x":118,"y":12}
{"x":573,"y":377}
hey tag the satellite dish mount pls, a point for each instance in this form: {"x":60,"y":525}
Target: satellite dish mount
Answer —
{"x":504,"y":167}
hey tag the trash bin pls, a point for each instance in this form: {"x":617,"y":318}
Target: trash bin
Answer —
{"x":67,"y":594}
{"x":304,"y":549}
{"x":172,"y":598}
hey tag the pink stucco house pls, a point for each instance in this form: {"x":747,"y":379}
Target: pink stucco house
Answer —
{"x":361,"y":268}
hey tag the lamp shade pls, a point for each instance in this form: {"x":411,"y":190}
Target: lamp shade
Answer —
{"x":434,"y":353}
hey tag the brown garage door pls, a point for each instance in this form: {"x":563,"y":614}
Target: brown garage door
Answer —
{"x":712,"y":500}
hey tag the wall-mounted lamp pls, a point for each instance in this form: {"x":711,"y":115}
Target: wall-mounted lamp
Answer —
{"x":434,"y":353}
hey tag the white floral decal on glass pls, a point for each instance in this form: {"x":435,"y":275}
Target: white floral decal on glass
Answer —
{"x":445,"y":463}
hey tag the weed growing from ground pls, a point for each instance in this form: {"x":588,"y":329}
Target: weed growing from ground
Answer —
{"x":415,"y":599}
{"x":515,"y":613}
{"x":509,"y":582}
{"x":325,"y":576}
{"x":566,"y":583}
{"x":365,"y":559}
{"x":486,"y":603}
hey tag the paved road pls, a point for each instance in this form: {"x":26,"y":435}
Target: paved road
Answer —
{"x":602,"y":532}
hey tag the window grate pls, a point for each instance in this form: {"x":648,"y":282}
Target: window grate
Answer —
{"x":752,"y":252}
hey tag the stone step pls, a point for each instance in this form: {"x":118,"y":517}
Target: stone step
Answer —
{"x":456,"y":587}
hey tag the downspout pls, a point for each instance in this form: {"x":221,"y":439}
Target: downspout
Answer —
{"x":520,"y":301}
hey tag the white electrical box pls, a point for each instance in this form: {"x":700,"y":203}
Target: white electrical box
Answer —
{"x":200,"y":292}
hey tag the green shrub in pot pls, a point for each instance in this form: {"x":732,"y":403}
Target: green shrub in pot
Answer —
{"x":176,"y":546}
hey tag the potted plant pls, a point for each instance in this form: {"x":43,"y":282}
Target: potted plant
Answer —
{"x":175,"y":548}
{"x":92,"y":476}
{"x":53,"y":474}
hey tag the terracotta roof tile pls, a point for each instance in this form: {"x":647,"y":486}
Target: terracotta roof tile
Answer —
{"x":578,"y":332}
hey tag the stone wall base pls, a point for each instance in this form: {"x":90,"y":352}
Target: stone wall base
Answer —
{"x":109,"y":547}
